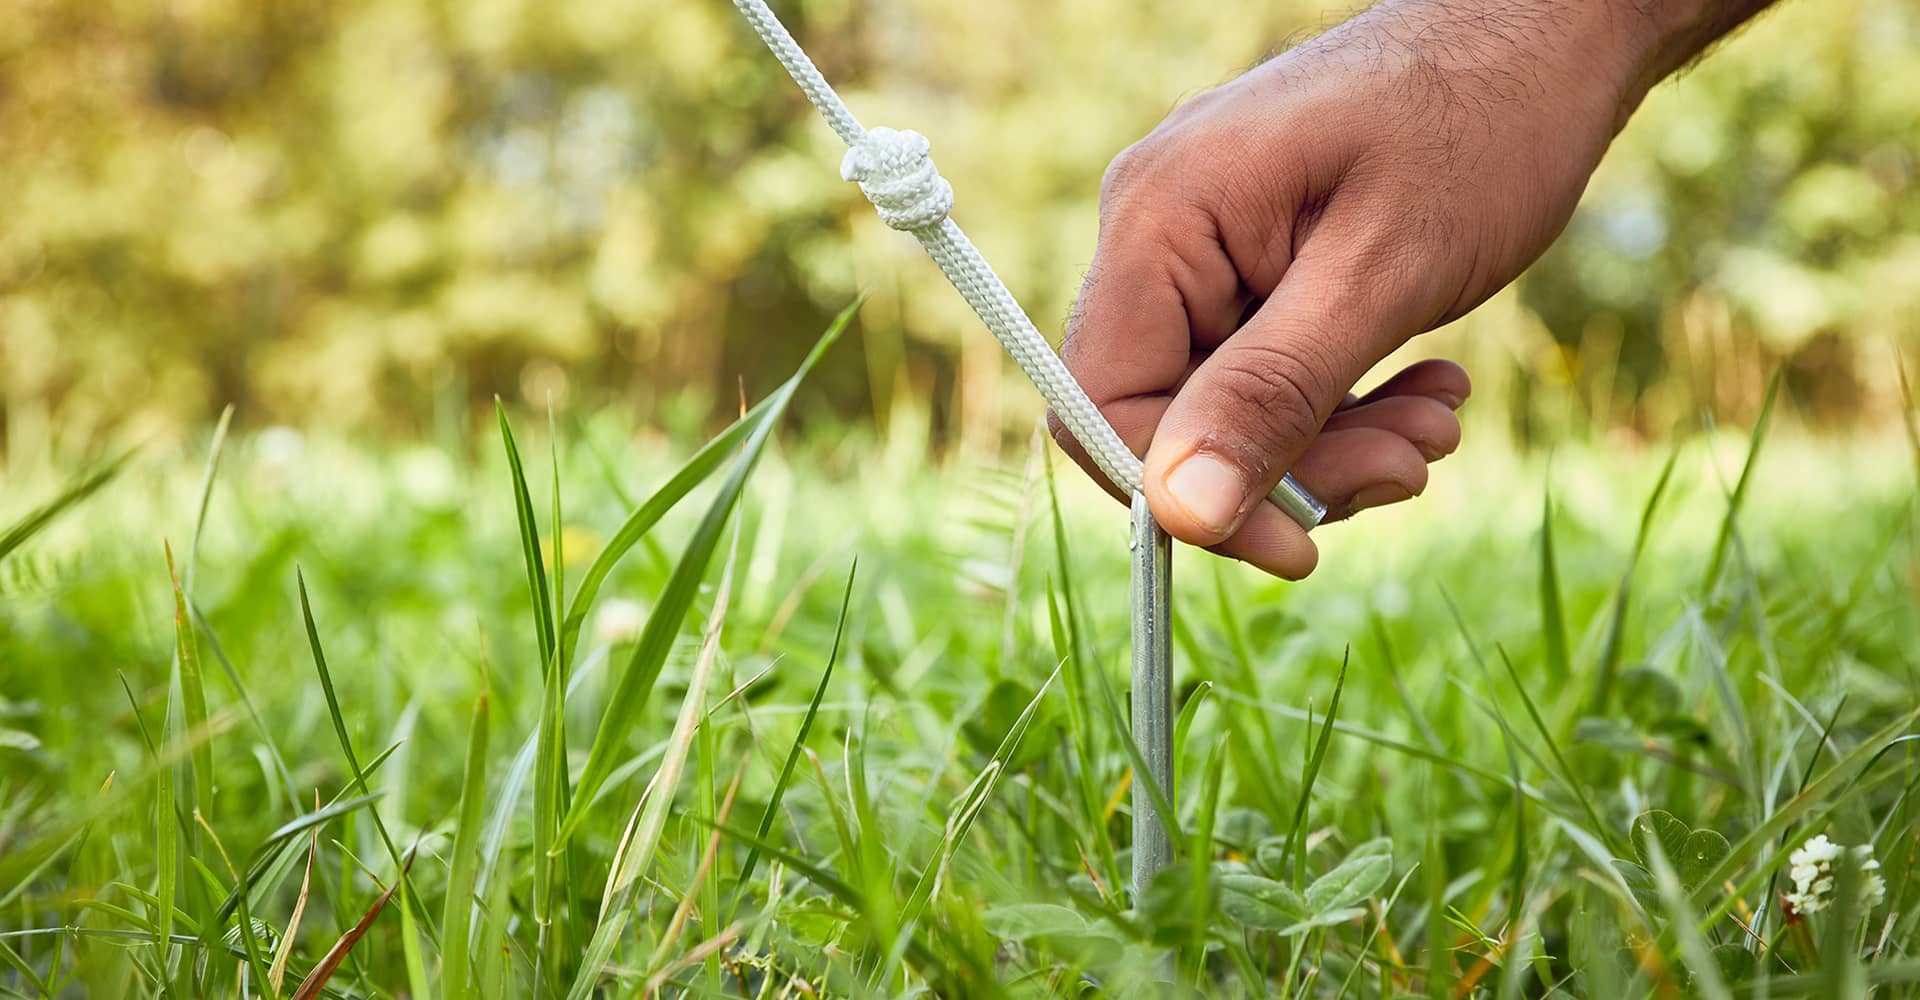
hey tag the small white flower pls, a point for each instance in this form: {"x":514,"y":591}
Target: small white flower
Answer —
{"x":1812,"y":875}
{"x":619,"y":620}
{"x":1818,"y":851}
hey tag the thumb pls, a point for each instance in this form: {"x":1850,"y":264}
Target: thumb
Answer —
{"x":1252,"y":407}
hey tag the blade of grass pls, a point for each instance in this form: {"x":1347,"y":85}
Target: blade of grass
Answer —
{"x":412,"y":958}
{"x":551,"y":781}
{"x":193,"y":704}
{"x":316,"y":980}
{"x":1440,"y":971}
{"x":1842,"y":774}
{"x":627,"y":701}
{"x":1517,"y":877}
{"x":268,"y":738}
{"x":1611,"y":651}
{"x":813,"y":871}
{"x":682,"y":482}
{"x":457,"y":916}
{"x":1698,"y":959}
{"x":842,"y":826}
{"x":183,"y":923}
{"x":153,"y":758}
{"x":507,"y":801}
{"x":1463,"y":767}
{"x":1184,"y":724}
{"x":275,"y":849}
{"x":634,"y":856}
{"x":1085,"y":738}
{"x":1264,"y":779}
{"x":529,"y":539}
{"x":558,"y":525}
{"x":1563,"y":771}
{"x":346,"y":744}
{"x":247,"y":938}
{"x":1839,"y":946}
{"x":678,"y":922}
{"x":873,"y":864}
{"x":1553,"y":624}
{"x":554,"y":713}
{"x":1116,"y":720}
{"x":959,"y":822}
{"x":1081,"y":738}
{"x":1200,"y":860}
{"x":1428,"y":734}
{"x":833,"y":885}
{"x":800,"y":739}
{"x":166,"y":833}
{"x":1298,"y":828}
{"x":26,"y":970}
{"x":1739,"y":496}
{"x":277,"y":973}
{"x":496,"y":912}
{"x":85,"y":486}
{"x":214,"y":450}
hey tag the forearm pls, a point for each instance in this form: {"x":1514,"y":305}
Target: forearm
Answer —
{"x":1613,"y":50}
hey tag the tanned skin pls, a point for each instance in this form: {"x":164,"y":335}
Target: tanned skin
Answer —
{"x":1274,"y":239}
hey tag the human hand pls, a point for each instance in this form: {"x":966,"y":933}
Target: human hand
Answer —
{"x":1274,"y":239}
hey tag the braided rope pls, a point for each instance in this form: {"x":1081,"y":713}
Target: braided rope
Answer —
{"x":895,"y":170}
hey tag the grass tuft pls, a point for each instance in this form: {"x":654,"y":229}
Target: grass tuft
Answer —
{"x":917,"y":783}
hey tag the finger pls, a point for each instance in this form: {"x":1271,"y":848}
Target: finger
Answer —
{"x":1271,"y":541}
{"x":1436,"y":378}
{"x":1424,"y":422}
{"x":1350,"y":470}
{"x":1160,"y":280}
{"x":1252,"y":408}
{"x":1127,"y":335}
{"x":1360,"y":468}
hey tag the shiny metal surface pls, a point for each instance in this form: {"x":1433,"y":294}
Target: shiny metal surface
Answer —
{"x":1305,"y":509}
{"x":1152,"y":688}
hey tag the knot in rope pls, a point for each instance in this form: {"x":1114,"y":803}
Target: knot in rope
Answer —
{"x":894,"y":169}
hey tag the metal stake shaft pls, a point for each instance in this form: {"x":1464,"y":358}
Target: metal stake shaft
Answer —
{"x":1152,"y":689}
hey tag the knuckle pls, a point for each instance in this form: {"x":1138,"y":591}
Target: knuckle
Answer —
{"x":1126,"y":170}
{"x":1278,"y":387}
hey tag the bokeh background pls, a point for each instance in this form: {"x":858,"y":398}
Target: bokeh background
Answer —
{"x":375,"y":215}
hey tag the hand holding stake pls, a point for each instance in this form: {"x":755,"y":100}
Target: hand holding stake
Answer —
{"x":895,"y":171}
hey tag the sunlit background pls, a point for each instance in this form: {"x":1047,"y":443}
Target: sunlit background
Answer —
{"x":358,"y":222}
{"x":375,"y":215}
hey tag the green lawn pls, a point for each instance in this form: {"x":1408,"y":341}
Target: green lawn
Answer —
{"x":949,"y":790}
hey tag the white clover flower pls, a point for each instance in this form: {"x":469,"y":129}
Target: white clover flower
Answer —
{"x":1817,"y":851}
{"x":1812,"y":875}
{"x":619,"y":620}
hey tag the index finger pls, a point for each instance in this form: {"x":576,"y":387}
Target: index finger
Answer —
{"x":1130,"y":337}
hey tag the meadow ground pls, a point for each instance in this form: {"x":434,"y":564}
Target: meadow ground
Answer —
{"x":1572,"y":762}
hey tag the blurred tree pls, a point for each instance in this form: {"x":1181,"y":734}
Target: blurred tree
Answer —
{"x":367,"y":212}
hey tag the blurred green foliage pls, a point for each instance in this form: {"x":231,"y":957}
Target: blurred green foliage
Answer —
{"x":379,"y":213}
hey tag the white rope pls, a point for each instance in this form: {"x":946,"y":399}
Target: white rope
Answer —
{"x":895,"y":171}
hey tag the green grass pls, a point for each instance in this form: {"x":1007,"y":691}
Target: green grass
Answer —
{"x":394,"y":695}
